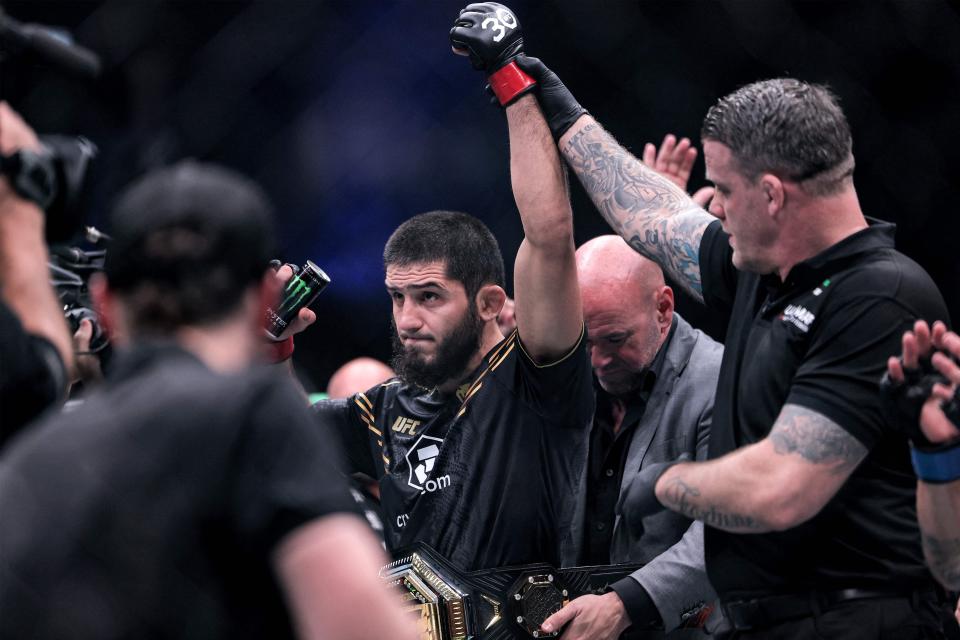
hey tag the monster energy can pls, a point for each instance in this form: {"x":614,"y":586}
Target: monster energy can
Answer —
{"x":301,"y":290}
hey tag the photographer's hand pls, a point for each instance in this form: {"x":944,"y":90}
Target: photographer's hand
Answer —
{"x":87,"y":370}
{"x":24,"y":275}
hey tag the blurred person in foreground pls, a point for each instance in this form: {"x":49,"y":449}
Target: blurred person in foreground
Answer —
{"x":808,"y":495}
{"x":190,"y":496}
{"x":36,"y":354}
{"x":356,"y":376}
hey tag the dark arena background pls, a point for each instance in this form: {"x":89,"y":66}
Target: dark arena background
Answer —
{"x":355,"y":115}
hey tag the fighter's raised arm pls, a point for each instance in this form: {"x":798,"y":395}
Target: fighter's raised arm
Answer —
{"x":548,"y":313}
{"x":655,"y":216}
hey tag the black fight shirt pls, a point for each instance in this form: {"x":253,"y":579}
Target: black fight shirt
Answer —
{"x":820,"y":340}
{"x":152,"y":510}
{"x":487,"y":476}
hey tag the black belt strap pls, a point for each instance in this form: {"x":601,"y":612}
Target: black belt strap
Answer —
{"x":758,"y":613}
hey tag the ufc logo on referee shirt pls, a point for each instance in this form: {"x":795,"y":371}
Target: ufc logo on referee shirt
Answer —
{"x":406,"y":425}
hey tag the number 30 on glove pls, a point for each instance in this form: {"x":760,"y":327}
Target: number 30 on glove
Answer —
{"x":490,"y":35}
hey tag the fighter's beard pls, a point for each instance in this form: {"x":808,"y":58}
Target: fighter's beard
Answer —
{"x":453,"y":354}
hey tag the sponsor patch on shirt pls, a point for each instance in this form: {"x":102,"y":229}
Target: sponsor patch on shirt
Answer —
{"x":799,"y":316}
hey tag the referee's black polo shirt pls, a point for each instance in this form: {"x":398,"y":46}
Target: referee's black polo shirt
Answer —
{"x":820,"y":340}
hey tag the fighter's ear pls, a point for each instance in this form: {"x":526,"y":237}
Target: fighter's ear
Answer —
{"x":490,"y":299}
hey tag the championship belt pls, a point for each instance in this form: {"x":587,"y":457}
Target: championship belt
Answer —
{"x":491,"y":604}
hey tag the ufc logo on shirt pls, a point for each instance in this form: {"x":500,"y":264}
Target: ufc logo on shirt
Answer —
{"x":406,"y":425}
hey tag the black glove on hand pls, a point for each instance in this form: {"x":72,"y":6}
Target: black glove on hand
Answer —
{"x":904,"y":400}
{"x":952,"y":408}
{"x":490,"y":35}
{"x":639,"y":500}
{"x":559,"y":106}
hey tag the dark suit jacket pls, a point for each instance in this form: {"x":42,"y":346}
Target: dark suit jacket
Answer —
{"x":676,"y":420}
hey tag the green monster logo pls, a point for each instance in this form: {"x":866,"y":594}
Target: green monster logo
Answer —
{"x":295,"y":292}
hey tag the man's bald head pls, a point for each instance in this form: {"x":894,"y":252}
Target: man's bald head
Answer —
{"x":608,"y":262}
{"x":627,"y":308}
{"x":357,"y":375}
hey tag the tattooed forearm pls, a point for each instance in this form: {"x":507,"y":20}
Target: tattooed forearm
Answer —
{"x":816,"y":438}
{"x":686,"y":499}
{"x":943,"y":558}
{"x":651,"y":213}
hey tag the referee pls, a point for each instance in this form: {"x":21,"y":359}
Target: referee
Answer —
{"x":808,"y":497}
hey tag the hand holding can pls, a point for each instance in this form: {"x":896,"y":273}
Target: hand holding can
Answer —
{"x":300,"y":291}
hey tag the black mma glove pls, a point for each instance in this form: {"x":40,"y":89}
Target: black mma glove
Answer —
{"x":904,"y":400}
{"x":639,"y":500}
{"x":559,"y":106}
{"x":490,"y":35}
{"x":933,"y":462}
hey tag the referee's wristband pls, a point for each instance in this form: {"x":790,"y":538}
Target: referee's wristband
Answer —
{"x":937,"y":466}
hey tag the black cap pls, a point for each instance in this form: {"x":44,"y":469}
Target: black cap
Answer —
{"x":199,"y":232}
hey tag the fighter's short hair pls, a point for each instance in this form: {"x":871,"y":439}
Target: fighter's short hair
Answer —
{"x":461,"y":242}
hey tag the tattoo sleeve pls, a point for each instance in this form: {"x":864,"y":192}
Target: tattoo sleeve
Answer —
{"x":816,"y":439}
{"x":652,"y":214}
{"x":687,"y":500}
{"x":771,"y":485}
{"x":943,"y":558}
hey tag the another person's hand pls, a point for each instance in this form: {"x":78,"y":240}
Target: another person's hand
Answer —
{"x":86,"y":365}
{"x":559,"y":106}
{"x":15,"y":134}
{"x":919,"y":382}
{"x":674,"y":160}
{"x":507,"y":320}
{"x":590,"y":618}
{"x":305,"y":317}
{"x":939,"y":416}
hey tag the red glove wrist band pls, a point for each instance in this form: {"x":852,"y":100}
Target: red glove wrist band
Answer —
{"x":279,"y":351}
{"x":508,"y":82}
